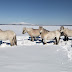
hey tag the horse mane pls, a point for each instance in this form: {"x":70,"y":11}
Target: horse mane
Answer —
{"x":58,"y":30}
{"x":45,"y":30}
{"x":29,"y":29}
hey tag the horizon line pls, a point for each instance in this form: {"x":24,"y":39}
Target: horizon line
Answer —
{"x":39,"y":24}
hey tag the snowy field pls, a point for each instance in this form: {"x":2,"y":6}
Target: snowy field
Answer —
{"x":30,"y":56}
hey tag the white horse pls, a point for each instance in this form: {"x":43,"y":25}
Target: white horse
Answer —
{"x":32,"y":32}
{"x":43,"y":32}
{"x":8,"y":35}
{"x":49,"y":35}
{"x":66,"y":32}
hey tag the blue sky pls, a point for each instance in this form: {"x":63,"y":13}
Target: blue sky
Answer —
{"x":48,"y":12}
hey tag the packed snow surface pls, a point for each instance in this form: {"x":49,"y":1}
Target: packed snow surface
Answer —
{"x":30,"y":56}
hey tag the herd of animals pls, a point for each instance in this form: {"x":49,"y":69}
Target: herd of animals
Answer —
{"x":33,"y":33}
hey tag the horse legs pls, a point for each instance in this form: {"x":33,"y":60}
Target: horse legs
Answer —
{"x":11,"y":42}
{"x":35,"y":38}
{"x":57,"y":40}
{"x":15,"y":42}
{"x":66,"y":38}
{"x":44,"y":41}
{"x":32,"y":39}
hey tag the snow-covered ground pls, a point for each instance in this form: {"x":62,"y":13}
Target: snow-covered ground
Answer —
{"x":30,"y":56}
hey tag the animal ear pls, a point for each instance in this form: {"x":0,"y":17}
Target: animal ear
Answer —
{"x":40,"y":27}
{"x":62,"y":27}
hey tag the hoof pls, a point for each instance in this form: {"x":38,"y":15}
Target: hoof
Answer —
{"x":32,"y":40}
{"x":67,"y":38}
{"x":55,"y":43}
{"x":42,"y":40}
{"x":64,"y":39}
{"x":44,"y":43}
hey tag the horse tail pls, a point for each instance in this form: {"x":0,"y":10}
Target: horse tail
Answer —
{"x":15,"y":40}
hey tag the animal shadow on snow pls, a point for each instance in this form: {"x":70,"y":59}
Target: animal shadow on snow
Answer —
{"x":68,"y":39}
{"x":6,"y":43}
{"x":40,"y":41}
{"x":37,"y":38}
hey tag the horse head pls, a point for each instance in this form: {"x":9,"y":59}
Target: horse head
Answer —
{"x":40,"y":29}
{"x":24,"y":30}
{"x":62,"y":30}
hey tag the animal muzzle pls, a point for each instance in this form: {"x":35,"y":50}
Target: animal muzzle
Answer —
{"x":40,"y":32}
{"x":22,"y":32}
{"x":62,"y":33}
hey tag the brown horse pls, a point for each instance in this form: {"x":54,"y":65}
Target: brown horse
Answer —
{"x":32,"y":32}
{"x":8,"y":35}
